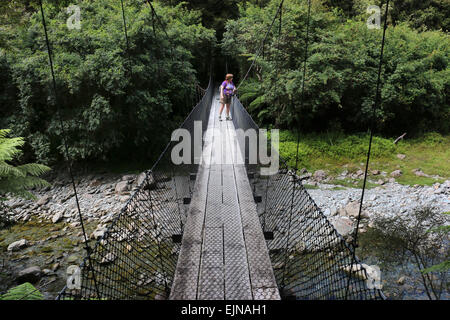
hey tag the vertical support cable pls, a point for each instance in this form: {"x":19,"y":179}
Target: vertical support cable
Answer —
{"x":371,"y":128}
{"x":294,"y":173}
{"x":66,"y":147}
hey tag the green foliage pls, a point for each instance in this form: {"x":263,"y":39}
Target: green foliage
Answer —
{"x":25,"y":291}
{"x":112,"y":102}
{"x":17,"y":179}
{"x":420,"y":14}
{"x":405,"y":239}
{"x":332,"y":146}
{"x":443,"y":266}
{"x":341,"y":71}
{"x":336,"y":152}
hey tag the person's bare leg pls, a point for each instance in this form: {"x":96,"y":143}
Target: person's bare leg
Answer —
{"x":221,"y":109}
{"x":228,"y":110}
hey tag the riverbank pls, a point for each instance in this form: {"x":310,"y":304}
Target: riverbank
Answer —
{"x":422,"y":161}
{"x":46,"y":237}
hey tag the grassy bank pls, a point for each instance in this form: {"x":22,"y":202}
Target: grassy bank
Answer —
{"x":336,"y":153}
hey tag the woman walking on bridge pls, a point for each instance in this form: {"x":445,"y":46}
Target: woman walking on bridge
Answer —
{"x":227,"y":90}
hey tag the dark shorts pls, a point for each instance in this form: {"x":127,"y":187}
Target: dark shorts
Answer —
{"x":226,"y":99}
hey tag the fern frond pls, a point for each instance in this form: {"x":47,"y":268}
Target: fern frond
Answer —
{"x":7,"y":170}
{"x":34,"y":169}
{"x":256,"y":103}
{"x":27,"y":182}
{"x":4,"y":132}
{"x":9,"y":148}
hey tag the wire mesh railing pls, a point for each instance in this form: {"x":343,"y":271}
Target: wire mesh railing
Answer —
{"x":311,"y":260}
{"x":137,"y":255}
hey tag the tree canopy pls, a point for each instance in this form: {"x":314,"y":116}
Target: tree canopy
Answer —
{"x":116,"y":102}
{"x":341,"y":73}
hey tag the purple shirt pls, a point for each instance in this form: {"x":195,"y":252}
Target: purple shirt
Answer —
{"x":228,"y":88}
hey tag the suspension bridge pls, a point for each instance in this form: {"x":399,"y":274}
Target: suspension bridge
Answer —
{"x":214,"y":229}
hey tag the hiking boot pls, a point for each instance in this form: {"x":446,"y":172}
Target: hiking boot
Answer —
{"x":228,"y":118}
{"x":220,"y":118}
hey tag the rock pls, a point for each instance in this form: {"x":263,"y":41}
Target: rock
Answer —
{"x":31,"y":274}
{"x":72,"y":258}
{"x":401,"y":280}
{"x":18,"y":245}
{"x":380,"y":182}
{"x":124,"y":199}
{"x":278,"y":265}
{"x":57,"y":217}
{"x":128,"y":177}
{"x":373,"y":275}
{"x":401,"y":156}
{"x":95,"y":183}
{"x":319,"y":175}
{"x":352,"y":209}
{"x":375,"y":172}
{"x":55,"y":266}
{"x":300,"y":247}
{"x":140,"y":179}
{"x":396,"y":173}
{"x":122,"y":187}
{"x":44,"y":200}
{"x":160,"y":296}
{"x":359,"y":173}
{"x":419,"y":173}
{"x":47,"y":272}
{"x":110,"y":257}
{"x":99,"y":232}
{"x":343,"y":225}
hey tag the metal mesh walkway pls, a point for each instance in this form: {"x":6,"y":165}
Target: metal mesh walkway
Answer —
{"x":223,"y":253}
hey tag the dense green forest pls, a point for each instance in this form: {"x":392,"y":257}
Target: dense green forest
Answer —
{"x":116,"y":102}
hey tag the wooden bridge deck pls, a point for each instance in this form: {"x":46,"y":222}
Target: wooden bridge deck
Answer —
{"x":223,"y":255}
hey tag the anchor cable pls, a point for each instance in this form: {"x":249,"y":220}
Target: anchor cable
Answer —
{"x":64,"y":138}
{"x":375,"y":106}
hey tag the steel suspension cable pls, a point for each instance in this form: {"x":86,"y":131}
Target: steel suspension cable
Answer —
{"x":66,"y":147}
{"x":375,"y":106}
{"x":294,"y":175}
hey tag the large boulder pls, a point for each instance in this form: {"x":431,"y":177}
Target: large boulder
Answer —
{"x":31,"y":274}
{"x":372,"y":275}
{"x":351,"y":209}
{"x":18,"y":245}
{"x":343,"y":225}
